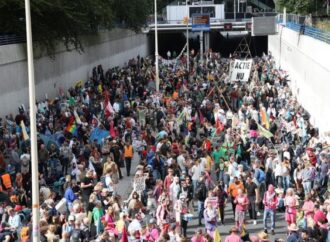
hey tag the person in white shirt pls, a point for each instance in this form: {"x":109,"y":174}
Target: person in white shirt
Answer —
{"x":196,"y":172}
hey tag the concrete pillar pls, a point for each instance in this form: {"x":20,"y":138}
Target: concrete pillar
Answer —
{"x":207,"y":40}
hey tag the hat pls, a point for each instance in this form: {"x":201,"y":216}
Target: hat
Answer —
{"x":234,"y":229}
{"x":293,"y":227}
{"x":263,"y":236}
{"x":71,"y":218}
{"x":152,"y":221}
{"x":18,"y":208}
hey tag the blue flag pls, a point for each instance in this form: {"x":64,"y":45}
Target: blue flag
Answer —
{"x":99,"y":135}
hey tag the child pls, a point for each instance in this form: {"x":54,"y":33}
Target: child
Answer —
{"x":151,"y":204}
{"x":280,"y":203}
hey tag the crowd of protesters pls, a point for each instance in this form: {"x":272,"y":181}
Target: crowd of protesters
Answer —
{"x":200,"y":144}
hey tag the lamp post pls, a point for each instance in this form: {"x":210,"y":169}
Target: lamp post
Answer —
{"x":33,"y":128}
{"x":156,"y":48}
{"x":187,"y":34}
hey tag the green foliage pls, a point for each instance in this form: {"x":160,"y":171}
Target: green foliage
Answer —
{"x":65,"y":21}
{"x":301,"y":6}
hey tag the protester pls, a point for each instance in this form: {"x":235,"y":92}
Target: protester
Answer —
{"x":200,"y":134}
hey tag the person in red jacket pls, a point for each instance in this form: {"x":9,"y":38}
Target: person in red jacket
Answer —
{"x":270,"y":201}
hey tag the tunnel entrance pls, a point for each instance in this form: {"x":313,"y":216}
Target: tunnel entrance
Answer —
{"x":219,"y":42}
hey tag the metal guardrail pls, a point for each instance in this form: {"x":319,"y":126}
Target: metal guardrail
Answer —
{"x":6,"y":39}
{"x":299,"y":26}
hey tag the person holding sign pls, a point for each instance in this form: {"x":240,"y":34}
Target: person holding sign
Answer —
{"x":210,"y":218}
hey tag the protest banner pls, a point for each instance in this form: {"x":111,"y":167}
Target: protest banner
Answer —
{"x":241,"y":70}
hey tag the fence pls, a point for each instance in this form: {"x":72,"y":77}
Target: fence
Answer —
{"x":11,"y":39}
{"x":301,"y":24}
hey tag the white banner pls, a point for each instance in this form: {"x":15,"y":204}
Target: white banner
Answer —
{"x":241,"y":70}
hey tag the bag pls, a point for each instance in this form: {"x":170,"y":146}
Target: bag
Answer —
{"x":261,"y":176}
{"x":61,"y":206}
{"x":199,"y":193}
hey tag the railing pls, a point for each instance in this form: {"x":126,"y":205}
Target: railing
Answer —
{"x":7,"y":39}
{"x":301,"y":24}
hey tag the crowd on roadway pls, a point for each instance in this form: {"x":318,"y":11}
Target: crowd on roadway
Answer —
{"x":200,"y":144}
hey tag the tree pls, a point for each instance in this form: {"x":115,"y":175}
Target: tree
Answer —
{"x":65,"y":21}
{"x":301,"y":6}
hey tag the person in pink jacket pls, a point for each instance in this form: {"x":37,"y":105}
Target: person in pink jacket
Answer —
{"x":270,"y":202}
{"x":290,"y":203}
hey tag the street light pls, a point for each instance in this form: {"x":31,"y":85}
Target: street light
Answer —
{"x":156,"y":48}
{"x":33,"y":128}
{"x":187,"y":12}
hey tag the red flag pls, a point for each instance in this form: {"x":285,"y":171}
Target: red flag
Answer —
{"x":219,"y":126}
{"x":201,"y":118}
{"x":124,"y":237}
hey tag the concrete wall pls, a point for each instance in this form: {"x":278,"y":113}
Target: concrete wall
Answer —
{"x":308,"y":65}
{"x":109,"y":49}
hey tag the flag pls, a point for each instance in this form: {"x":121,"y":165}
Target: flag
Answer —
{"x":95,"y":121}
{"x":264,"y":132}
{"x":201,"y":117}
{"x":108,"y":109}
{"x":216,"y":236}
{"x":76,"y":116}
{"x":112,"y":130}
{"x":124,"y":236}
{"x":264,"y":117}
{"x":72,"y":127}
{"x":180,"y":118}
{"x":24,"y":132}
{"x":218,"y":127}
{"x":99,"y":135}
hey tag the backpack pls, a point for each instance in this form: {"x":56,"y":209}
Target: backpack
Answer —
{"x":261,"y":176}
{"x":199,"y":193}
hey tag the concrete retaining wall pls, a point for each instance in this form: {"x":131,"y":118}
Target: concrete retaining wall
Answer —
{"x":109,"y":49}
{"x":307,"y":61}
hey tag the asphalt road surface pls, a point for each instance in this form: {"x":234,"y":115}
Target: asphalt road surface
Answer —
{"x":124,"y":188}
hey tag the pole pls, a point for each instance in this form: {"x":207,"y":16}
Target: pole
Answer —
{"x":235,"y":9}
{"x":156,"y":48}
{"x":201,"y":40}
{"x":33,"y":128}
{"x":187,"y":34}
{"x":238,"y":6}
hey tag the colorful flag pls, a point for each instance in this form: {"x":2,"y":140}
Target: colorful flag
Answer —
{"x":264,"y":132}
{"x":24,"y":132}
{"x":72,"y":127}
{"x":264,"y":117}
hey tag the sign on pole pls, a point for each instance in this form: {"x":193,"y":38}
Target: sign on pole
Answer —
{"x":241,"y":70}
{"x":200,"y":22}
